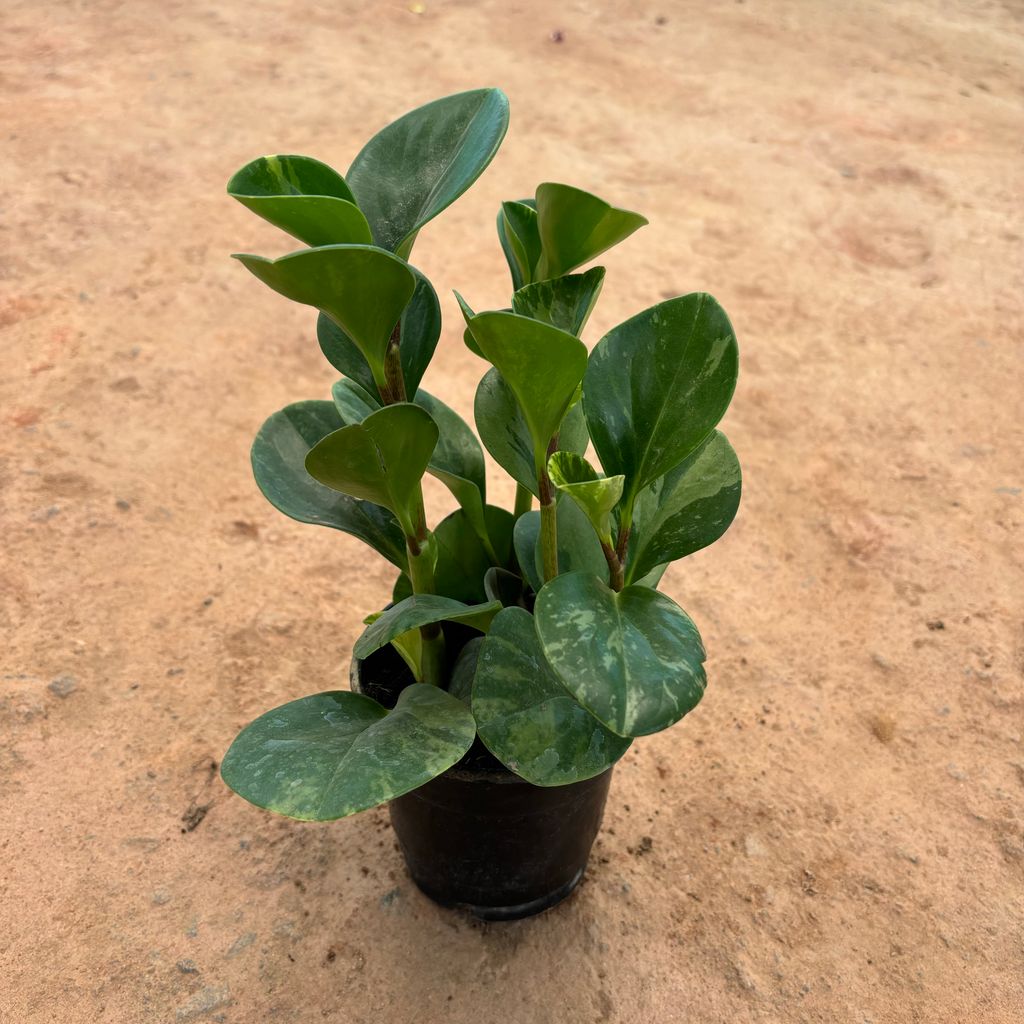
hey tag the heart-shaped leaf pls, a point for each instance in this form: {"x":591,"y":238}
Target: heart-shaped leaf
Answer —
{"x":361,"y":288}
{"x":520,"y":239}
{"x":420,"y":327}
{"x":578,"y":546}
{"x":541,"y":364}
{"x":333,"y":754}
{"x":575,"y":227}
{"x":420,"y":164}
{"x":505,"y":434}
{"x":526,"y":717}
{"x":595,"y":495}
{"x":564,"y":302}
{"x":279,"y":465}
{"x":685,"y":510}
{"x":462,"y":558}
{"x":422,"y":610}
{"x":382,"y":459}
{"x":302,"y":196}
{"x":633,"y":659}
{"x":657,"y":385}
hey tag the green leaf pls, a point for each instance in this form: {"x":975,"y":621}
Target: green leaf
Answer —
{"x":382,"y":459}
{"x":302,"y":196}
{"x":575,"y":227}
{"x":420,"y":164}
{"x":541,"y":364}
{"x":520,"y":240}
{"x":362,"y":289}
{"x":504,"y":586}
{"x":657,"y":385}
{"x":420,"y":327}
{"x":461,"y":683}
{"x":578,"y":546}
{"x":505,"y":434}
{"x":525,"y":716}
{"x":685,"y":510}
{"x":633,"y":659}
{"x":595,"y":495}
{"x":563,"y":302}
{"x":422,"y":610}
{"x":353,"y":402}
{"x":462,"y":559}
{"x":278,"y":463}
{"x":333,"y":754}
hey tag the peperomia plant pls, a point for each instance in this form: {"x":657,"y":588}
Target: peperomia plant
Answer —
{"x":573,"y":650}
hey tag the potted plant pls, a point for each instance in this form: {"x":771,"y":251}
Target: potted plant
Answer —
{"x":523,"y":649}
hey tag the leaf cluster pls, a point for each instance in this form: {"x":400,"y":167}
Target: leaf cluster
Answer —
{"x":575,"y":651}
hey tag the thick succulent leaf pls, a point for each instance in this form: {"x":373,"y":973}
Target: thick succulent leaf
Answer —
{"x":578,"y":546}
{"x":575,"y":227}
{"x":422,"y":610}
{"x":520,"y":240}
{"x":353,"y":402}
{"x":302,"y":196}
{"x":279,"y":465}
{"x":333,"y":754}
{"x":503,"y":430}
{"x":564,"y":302}
{"x":382,"y":459}
{"x":467,"y":334}
{"x":653,"y":578}
{"x":527,"y":718}
{"x":634,"y":659}
{"x":595,"y":495}
{"x":462,"y":558}
{"x":420,"y":164}
{"x":419,"y":330}
{"x":656,"y":386}
{"x":461,"y":683}
{"x":361,"y":288}
{"x":541,"y":364}
{"x":685,"y":510}
{"x":504,"y":586}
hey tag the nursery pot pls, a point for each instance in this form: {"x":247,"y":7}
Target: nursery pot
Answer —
{"x":481,"y":838}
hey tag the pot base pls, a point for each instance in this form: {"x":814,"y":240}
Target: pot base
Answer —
{"x":513,"y":913}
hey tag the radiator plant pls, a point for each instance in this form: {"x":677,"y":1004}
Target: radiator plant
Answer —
{"x":575,"y":651}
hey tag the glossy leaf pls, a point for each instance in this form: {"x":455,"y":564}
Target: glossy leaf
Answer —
{"x":462,"y":559}
{"x":564,"y":302}
{"x":520,"y":240}
{"x":505,"y":434}
{"x":541,"y":364}
{"x":527,"y":718}
{"x":578,"y":546}
{"x":302,"y":196}
{"x":420,"y":327}
{"x":575,"y":227}
{"x":418,"y":165}
{"x":333,"y":754}
{"x":656,"y":386}
{"x":278,"y":463}
{"x":685,"y":510}
{"x":461,"y":683}
{"x":362,"y":289}
{"x":422,"y":610}
{"x":634,"y":659}
{"x":382,"y":459}
{"x":595,"y":495}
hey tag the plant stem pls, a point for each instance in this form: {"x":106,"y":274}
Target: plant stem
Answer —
{"x":524,"y":501}
{"x":421,"y":575}
{"x":615,"y":577}
{"x":394,"y":380}
{"x":548,"y":518}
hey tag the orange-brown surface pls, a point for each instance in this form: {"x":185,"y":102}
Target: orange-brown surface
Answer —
{"x":835,"y":835}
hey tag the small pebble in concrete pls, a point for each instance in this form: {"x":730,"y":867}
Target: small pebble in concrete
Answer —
{"x":63,"y":686}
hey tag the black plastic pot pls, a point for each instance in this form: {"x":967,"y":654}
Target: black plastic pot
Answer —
{"x":479,"y":837}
